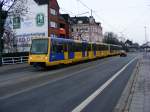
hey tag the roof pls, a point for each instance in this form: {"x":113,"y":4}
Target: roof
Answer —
{"x":54,"y":4}
{"x":66,"y":17}
{"x":147,"y":44}
{"x":42,"y":2}
{"x":84,"y":19}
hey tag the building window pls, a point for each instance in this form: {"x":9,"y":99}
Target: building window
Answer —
{"x":77,"y":29}
{"x":72,"y":29}
{"x":53,"y":35}
{"x":16,"y":23}
{"x":80,"y":22}
{"x":53,"y":12}
{"x":53,"y":24}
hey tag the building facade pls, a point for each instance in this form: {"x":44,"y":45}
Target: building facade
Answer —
{"x":33,"y":24}
{"x":86,"y":28}
{"x":67,"y":25}
{"x":42,"y":19}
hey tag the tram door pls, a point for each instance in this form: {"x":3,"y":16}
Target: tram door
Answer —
{"x":88,"y":49}
{"x":70,"y":50}
{"x":84,"y":49}
{"x":94,"y":49}
{"x":57,"y":51}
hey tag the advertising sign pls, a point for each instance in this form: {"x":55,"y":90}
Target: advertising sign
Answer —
{"x":33,"y":24}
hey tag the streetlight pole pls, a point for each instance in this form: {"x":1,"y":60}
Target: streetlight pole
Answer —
{"x":145,"y":33}
{"x":145,"y":36}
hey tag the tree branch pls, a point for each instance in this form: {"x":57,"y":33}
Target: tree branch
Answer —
{"x":13,"y":3}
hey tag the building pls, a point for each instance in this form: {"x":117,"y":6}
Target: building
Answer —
{"x":42,"y":19}
{"x":146,"y":47}
{"x":67,"y":25}
{"x":86,"y":28}
{"x":57,"y":25}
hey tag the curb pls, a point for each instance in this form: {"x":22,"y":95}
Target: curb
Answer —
{"x":124,"y":102}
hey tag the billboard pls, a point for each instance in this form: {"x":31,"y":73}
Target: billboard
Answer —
{"x":33,"y":24}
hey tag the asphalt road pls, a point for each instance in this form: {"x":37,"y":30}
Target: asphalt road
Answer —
{"x":63,"y":89}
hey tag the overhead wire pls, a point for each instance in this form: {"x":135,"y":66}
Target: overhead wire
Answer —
{"x":109,"y":25}
{"x":67,"y":11}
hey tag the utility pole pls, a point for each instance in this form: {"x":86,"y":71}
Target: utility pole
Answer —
{"x":90,"y":26}
{"x":145,"y":34}
{"x":91,"y":12}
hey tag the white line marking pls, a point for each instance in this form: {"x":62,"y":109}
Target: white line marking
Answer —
{"x":83,"y":104}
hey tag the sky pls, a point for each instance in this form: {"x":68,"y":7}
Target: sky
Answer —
{"x":126,"y":18}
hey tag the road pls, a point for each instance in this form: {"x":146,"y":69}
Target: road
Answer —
{"x":65,"y":89}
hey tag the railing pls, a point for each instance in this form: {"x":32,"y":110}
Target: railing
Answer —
{"x":14,"y":60}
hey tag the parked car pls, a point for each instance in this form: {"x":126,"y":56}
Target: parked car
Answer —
{"x":123,"y":53}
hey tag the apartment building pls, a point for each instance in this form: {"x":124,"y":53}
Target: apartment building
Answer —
{"x":87,"y":29}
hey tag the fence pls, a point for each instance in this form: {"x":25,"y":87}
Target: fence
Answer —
{"x":14,"y":60}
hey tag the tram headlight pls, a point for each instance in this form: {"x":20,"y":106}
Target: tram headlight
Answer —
{"x":46,"y":58}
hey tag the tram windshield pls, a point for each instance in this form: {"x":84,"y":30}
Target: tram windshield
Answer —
{"x":39,"y":46}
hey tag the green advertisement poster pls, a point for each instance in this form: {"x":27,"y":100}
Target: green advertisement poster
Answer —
{"x":16,"y":23}
{"x":40,"y":19}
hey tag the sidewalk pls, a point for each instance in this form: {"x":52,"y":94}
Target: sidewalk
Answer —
{"x":141,"y":96}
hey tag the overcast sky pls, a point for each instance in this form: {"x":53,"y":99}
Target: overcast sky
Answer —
{"x":123,"y":17}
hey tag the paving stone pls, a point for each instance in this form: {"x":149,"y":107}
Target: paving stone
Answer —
{"x":141,"y":96}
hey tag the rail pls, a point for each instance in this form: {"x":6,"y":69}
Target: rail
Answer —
{"x":14,"y":60}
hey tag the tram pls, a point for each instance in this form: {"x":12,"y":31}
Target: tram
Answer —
{"x":54,"y":51}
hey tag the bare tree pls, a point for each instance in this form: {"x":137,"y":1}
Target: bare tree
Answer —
{"x":10,"y":40}
{"x":9,"y":8}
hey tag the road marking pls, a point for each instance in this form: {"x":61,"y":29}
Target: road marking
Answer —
{"x":83,"y":104}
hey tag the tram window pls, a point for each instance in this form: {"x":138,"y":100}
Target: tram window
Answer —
{"x":105,"y":47}
{"x":60,"y":48}
{"x":111,"y":47}
{"x":94,"y":47}
{"x":57,"y":47}
{"x":89,"y":47}
{"x":70,"y":47}
{"x":116,"y":47}
{"x":102,"y":47}
{"x":83,"y":47}
{"x":97,"y":46}
{"x":78,"y":47}
{"x":65,"y":47}
{"x":39,"y":46}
